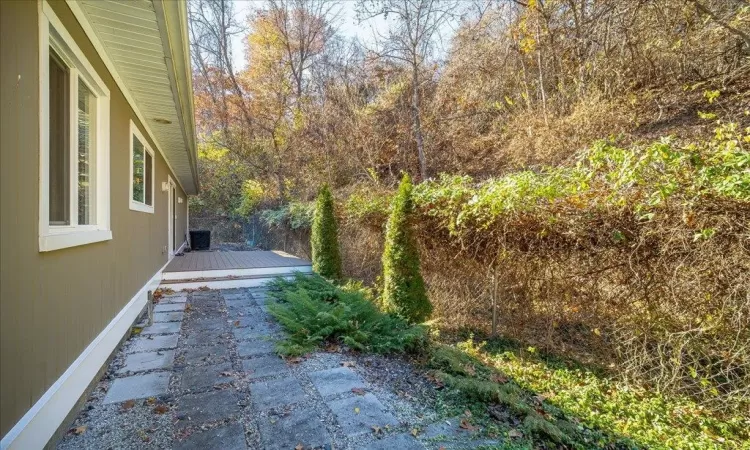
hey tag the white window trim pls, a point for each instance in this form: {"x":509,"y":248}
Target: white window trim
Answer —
{"x":135,"y":205}
{"x":59,"y":237}
{"x":171,"y":216}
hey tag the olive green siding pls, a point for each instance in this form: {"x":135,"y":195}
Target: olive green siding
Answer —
{"x":53,"y":304}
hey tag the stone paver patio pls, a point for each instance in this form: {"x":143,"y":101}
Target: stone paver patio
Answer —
{"x":205,"y":376}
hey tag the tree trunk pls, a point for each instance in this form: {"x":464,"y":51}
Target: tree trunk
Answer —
{"x":541,"y":73}
{"x":418,"y":126}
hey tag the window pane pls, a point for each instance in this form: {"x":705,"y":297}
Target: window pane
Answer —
{"x":138,"y":181}
{"x":85,"y":206}
{"x":59,"y":155}
{"x":149,"y":175}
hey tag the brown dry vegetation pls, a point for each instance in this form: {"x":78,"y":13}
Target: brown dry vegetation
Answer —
{"x":663,"y":310}
{"x":523,"y":86}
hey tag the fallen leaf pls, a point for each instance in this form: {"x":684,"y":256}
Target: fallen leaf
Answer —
{"x":294,"y":360}
{"x":515,"y":434}
{"x":498,"y":413}
{"x":434,"y":380}
{"x":161,"y":409}
{"x":467,"y":413}
{"x":137,"y":330}
{"x":128,"y":404}
{"x":236,"y":323}
{"x":497,"y":378}
{"x":356,"y":410}
{"x":299,"y":447}
{"x":376,"y":429}
{"x":358,"y":391}
{"x":348,"y":364}
{"x":331,"y":347}
{"x":414,"y":432}
{"x":78,"y":430}
{"x":466,"y":425}
{"x":151,"y":400}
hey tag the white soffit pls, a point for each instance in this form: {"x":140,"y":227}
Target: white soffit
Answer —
{"x":129,"y":31}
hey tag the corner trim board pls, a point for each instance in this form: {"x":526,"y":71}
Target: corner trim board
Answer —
{"x":38,"y":425}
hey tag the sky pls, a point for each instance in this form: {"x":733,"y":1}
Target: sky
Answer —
{"x":347,"y":25}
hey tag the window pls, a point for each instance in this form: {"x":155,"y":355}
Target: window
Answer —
{"x":59,"y":155}
{"x":74,"y":145}
{"x":141,"y":172}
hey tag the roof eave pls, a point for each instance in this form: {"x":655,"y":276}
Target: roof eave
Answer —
{"x":173,"y":26}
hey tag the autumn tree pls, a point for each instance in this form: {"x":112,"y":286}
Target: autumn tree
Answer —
{"x":257,"y":112}
{"x":304,"y":29}
{"x":411,"y":39}
{"x":518,"y":84}
{"x":220,"y":99}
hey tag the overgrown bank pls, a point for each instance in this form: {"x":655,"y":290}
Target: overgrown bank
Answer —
{"x":636,"y":260}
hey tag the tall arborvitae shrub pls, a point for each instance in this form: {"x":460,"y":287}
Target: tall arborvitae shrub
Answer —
{"x":403,"y":287}
{"x":326,"y":257}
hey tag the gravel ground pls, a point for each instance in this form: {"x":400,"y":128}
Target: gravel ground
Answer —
{"x":227,"y":390}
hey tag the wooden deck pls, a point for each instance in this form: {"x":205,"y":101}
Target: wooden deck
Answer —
{"x":220,"y":260}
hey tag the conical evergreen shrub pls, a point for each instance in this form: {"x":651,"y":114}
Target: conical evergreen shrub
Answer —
{"x":403,"y":287}
{"x":326,"y":257}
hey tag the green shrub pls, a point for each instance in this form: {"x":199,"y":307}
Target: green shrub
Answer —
{"x":368,"y":204}
{"x":606,"y":177}
{"x":295,"y":215}
{"x":313,"y":311}
{"x":326,"y":258}
{"x":403,"y":287}
{"x":252,"y":195}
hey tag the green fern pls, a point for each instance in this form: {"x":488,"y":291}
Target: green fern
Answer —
{"x":313,"y":311}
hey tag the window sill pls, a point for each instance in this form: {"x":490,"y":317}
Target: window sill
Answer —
{"x":59,"y":241}
{"x":135,"y":206}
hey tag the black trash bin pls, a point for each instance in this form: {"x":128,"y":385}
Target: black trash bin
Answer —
{"x":200,"y":239}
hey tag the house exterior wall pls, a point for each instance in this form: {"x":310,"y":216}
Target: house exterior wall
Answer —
{"x":53,"y":304}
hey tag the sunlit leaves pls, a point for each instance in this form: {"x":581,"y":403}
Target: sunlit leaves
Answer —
{"x":606,"y":176}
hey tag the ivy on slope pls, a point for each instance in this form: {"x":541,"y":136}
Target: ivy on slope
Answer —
{"x":605,"y":178}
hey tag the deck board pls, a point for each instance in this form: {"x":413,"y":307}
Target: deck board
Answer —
{"x":216,"y":260}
